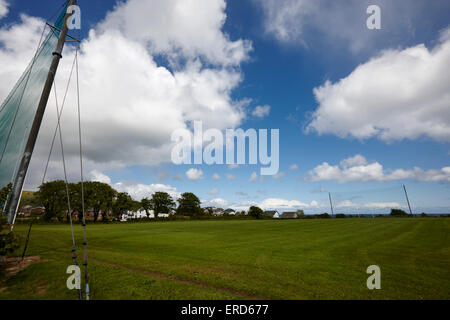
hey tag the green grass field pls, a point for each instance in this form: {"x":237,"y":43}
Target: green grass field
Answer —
{"x":249,"y":259}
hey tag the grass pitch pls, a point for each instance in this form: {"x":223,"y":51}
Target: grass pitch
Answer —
{"x":248,"y":259}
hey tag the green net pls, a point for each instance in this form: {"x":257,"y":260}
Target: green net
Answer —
{"x":18,"y":110}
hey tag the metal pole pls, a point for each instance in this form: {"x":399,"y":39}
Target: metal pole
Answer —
{"x":29,"y":148}
{"x":28,"y":239}
{"x":407,"y":199}
{"x":331,"y":204}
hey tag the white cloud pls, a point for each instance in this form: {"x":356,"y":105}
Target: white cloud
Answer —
{"x":261,"y":111}
{"x":293,"y":167}
{"x":176,"y":28}
{"x":347,"y":204}
{"x":213,"y":191}
{"x":98,"y":176}
{"x":400,"y":94}
{"x":138,"y":191}
{"x":382,"y":205}
{"x":216,"y":176}
{"x":282,"y":204}
{"x":230,"y":176}
{"x":253,"y":177}
{"x":357,"y":160}
{"x":128,"y":99}
{"x":221,"y":203}
{"x":341,"y":24}
{"x":358,"y":169}
{"x":284,"y":19}
{"x":3,"y":8}
{"x":373,"y":205}
{"x":194,"y":174}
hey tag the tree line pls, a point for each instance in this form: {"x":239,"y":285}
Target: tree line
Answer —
{"x":103,"y":201}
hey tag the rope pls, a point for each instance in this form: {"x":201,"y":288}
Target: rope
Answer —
{"x":74,"y":248}
{"x":86,"y":272}
{"x":58,"y":121}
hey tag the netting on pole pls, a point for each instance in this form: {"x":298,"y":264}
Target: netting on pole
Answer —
{"x":18,"y":110}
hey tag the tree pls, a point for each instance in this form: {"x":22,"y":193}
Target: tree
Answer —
{"x":189,"y":205}
{"x":145,"y":203}
{"x":53,"y":197}
{"x":301,"y":214}
{"x":4,"y":193}
{"x":255,"y":212}
{"x":162,"y":202}
{"x":98,"y":196}
{"x":398,"y":213}
{"x":322,"y":216}
{"x":29,"y":199}
{"x":122,"y":202}
{"x":8,"y":241}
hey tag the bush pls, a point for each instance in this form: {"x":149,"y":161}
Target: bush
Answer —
{"x":398,"y":213}
{"x":255,"y":212}
{"x":8,"y":241}
{"x":340,"y":216}
{"x":322,"y":216}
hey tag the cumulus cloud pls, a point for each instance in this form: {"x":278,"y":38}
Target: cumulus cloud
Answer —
{"x":137,"y":191}
{"x":219,"y":202}
{"x":400,"y":94}
{"x":342,"y":23}
{"x":3,"y":8}
{"x":194,"y":174}
{"x":369,"y":205}
{"x":190,"y":29}
{"x":383,"y":205}
{"x":98,"y":176}
{"x":261,"y":111}
{"x":131,"y":104}
{"x":358,"y":169}
{"x":282,"y":204}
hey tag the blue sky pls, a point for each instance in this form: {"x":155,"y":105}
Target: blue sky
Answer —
{"x":292,"y":55}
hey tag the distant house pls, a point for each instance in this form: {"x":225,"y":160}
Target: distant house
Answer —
{"x":273,"y":214}
{"x":135,"y":214}
{"x":289,"y":215}
{"x":28,"y":210}
{"x":217,"y":212}
{"x":230,"y":212}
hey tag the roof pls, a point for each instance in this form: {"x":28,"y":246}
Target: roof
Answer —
{"x":289,"y":215}
{"x":271,"y":212}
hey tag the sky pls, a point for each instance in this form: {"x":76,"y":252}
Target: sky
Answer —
{"x":360,"y":112}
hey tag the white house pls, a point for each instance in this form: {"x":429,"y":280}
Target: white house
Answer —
{"x":141,"y":213}
{"x":274,"y":214}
